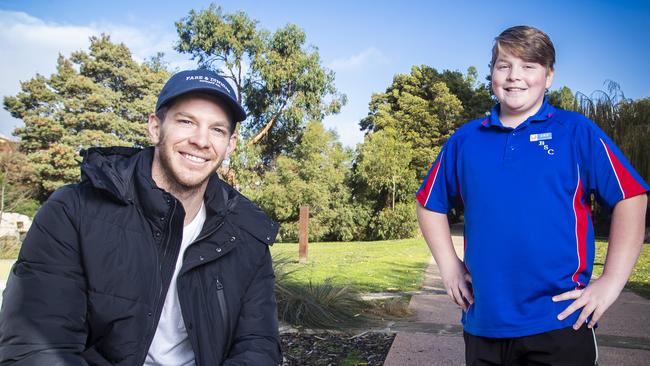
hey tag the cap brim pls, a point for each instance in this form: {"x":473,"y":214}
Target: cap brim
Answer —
{"x":238,"y":112}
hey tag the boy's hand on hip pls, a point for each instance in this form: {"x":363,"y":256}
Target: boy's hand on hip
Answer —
{"x":594,"y":300}
{"x":459,"y":286}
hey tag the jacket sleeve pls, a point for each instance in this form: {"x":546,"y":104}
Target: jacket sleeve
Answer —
{"x":42,"y":319}
{"x":256,"y":340}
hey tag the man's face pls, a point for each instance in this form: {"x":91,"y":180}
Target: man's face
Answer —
{"x":519,"y":85}
{"x":191,"y":142}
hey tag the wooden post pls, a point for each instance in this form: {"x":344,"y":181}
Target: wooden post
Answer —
{"x":303,"y":234}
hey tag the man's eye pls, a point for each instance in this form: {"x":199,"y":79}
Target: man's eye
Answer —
{"x":219,"y":131}
{"x":502,"y":67}
{"x":184,"y":121}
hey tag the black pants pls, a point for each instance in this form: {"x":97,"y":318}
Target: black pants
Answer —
{"x":557,"y":348}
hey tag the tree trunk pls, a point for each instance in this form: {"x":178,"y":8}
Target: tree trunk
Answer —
{"x":266,"y":128}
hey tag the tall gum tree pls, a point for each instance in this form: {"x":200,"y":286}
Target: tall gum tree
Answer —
{"x":279,"y":79}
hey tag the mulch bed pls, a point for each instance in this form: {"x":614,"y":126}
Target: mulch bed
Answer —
{"x":335,"y":348}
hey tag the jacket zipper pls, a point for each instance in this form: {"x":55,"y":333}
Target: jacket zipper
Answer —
{"x":158,"y":307}
{"x":221,"y":298}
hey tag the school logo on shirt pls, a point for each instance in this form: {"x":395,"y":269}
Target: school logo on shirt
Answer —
{"x":541,"y":136}
{"x":549,"y":150}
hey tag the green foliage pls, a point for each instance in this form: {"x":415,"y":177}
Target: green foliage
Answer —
{"x":278,"y":78}
{"x":316,"y":305}
{"x":97,"y":98}
{"x":9,"y":248}
{"x":314,"y":174}
{"x":625,"y":121}
{"x":425,"y":107}
{"x":395,"y":223}
{"x":16,"y":184}
{"x":563,"y":98}
{"x":406,"y":127}
{"x":383,"y":165}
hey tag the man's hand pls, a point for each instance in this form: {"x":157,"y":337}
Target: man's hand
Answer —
{"x":458,"y":284}
{"x":594,"y":300}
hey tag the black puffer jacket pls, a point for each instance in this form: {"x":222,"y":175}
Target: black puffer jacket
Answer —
{"x":93,"y":272}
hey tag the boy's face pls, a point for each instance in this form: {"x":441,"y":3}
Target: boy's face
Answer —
{"x":519,"y":85}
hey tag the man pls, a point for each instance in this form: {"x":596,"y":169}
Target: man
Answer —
{"x":151,"y":259}
{"x":525,"y":175}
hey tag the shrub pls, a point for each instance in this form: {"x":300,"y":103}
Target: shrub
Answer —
{"x":397,"y":223}
{"x":315,"y":305}
{"x":9,"y":247}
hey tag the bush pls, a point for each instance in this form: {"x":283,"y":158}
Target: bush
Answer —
{"x":398,"y":223}
{"x":9,"y":247}
{"x":315,"y":305}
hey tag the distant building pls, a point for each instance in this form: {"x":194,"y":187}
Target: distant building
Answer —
{"x":14,"y":225}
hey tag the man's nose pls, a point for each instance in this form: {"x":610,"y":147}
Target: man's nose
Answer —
{"x":200,"y":137}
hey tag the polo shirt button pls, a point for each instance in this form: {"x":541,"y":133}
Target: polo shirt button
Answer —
{"x":232,"y":238}
{"x":201,"y":258}
{"x":218,"y":250}
{"x":189,"y":326}
{"x":512,"y":148}
{"x":149,"y":313}
{"x":157,"y":234}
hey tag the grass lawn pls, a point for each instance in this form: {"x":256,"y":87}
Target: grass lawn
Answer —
{"x":639,"y":281}
{"x":380,"y":266}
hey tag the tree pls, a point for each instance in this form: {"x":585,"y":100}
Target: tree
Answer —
{"x":15,"y":184}
{"x":562,"y":98}
{"x":383,"y":164}
{"x":314,"y":174}
{"x":425,"y":107}
{"x":96,"y":98}
{"x":278,"y":79}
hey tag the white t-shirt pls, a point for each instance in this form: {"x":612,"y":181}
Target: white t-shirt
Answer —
{"x":170,"y":345}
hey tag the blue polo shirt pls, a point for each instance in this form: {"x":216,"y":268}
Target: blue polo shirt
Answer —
{"x":528,"y":228}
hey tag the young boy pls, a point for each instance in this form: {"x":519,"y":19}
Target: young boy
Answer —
{"x":524,"y":175}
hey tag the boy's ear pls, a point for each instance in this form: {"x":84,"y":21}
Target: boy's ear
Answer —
{"x":549,"y":78}
{"x":153,"y":126}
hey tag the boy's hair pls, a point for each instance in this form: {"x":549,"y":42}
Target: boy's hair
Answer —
{"x":528,"y":43}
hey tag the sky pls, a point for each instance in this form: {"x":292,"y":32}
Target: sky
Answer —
{"x":364,"y":42}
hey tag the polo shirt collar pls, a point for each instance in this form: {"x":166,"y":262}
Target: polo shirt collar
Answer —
{"x":545,"y":112}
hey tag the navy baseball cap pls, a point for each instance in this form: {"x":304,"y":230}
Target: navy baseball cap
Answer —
{"x":201,"y":80}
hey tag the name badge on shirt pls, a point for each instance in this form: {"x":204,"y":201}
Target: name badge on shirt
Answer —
{"x":541,"y":136}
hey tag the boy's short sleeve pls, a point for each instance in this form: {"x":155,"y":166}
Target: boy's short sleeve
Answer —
{"x":439,"y":190}
{"x":608,"y":173}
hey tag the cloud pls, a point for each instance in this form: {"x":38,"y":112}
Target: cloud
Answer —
{"x":31,"y":45}
{"x":369,"y":56}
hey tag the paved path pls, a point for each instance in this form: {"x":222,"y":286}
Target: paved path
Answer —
{"x":435,"y":335}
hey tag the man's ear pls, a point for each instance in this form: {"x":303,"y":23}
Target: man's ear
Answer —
{"x":154,"y":125}
{"x":232,"y":143}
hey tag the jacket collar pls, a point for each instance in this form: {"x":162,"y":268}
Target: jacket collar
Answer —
{"x":125,"y":175}
{"x":545,"y":112}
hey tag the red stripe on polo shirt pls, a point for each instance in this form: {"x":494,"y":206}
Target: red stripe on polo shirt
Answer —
{"x":581,"y":212}
{"x":628,"y":185}
{"x":423,"y":194}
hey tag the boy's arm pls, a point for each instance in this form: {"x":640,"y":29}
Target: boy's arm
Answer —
{"x":625,"y":239}
{"x":455,"y":277}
